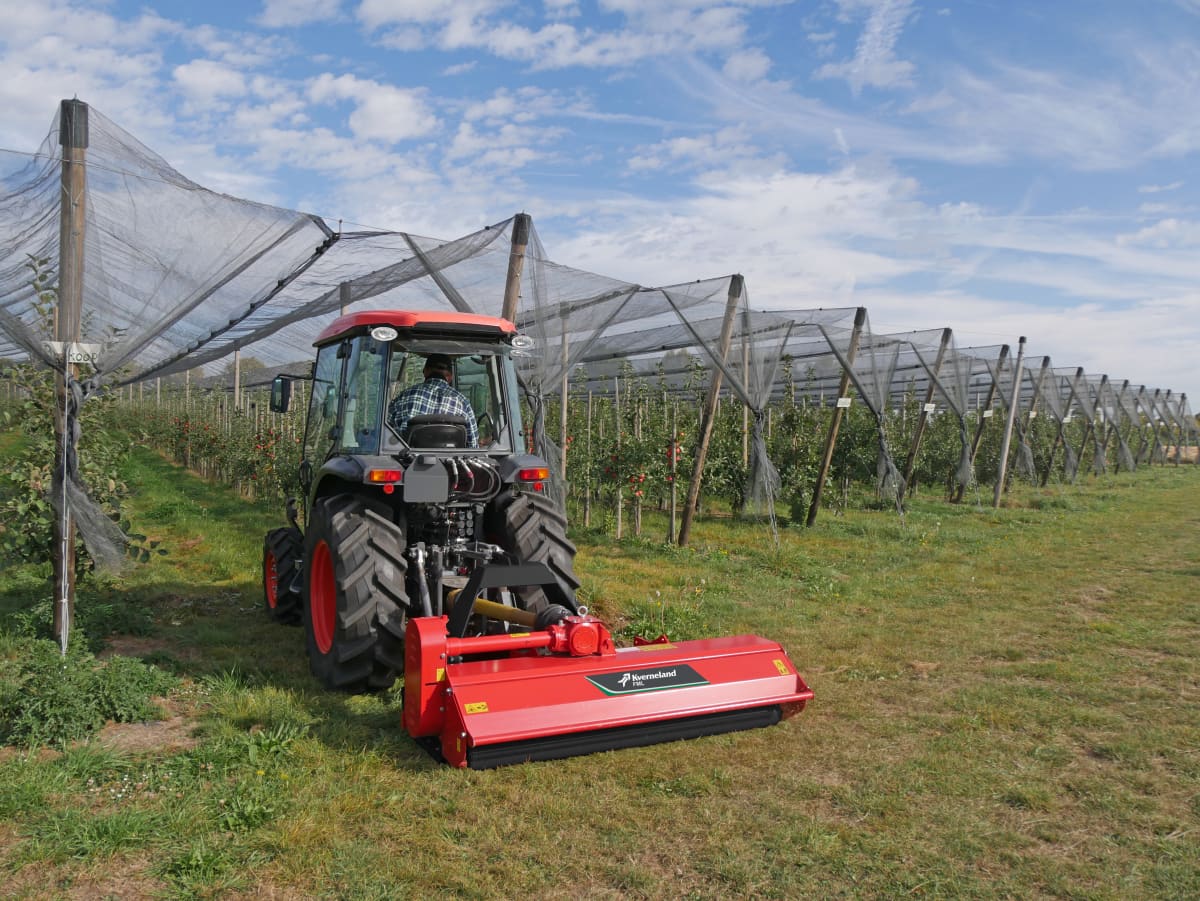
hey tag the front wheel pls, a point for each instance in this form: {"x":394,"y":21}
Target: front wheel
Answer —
{"x":355,"y":603}
{"x":282,"y":589}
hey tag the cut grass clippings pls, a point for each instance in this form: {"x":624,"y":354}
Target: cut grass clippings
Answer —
{"x":1007,"y":706}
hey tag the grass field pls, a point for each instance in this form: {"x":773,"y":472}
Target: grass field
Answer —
{"x":1008,"y":705}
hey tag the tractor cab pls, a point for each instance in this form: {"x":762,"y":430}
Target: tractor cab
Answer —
{"x":369,"y":365}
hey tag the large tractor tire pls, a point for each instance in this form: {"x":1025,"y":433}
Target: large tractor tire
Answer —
{"x":355,"y":602}
{"x":282,"y":588}
{"x":532,"y":530}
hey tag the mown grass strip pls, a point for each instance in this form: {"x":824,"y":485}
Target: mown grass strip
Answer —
{"x":1006,"y":706}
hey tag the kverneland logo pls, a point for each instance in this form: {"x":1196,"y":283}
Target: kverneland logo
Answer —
{"x":680,"y":675}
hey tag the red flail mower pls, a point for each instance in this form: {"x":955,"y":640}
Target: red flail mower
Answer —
{"x":565,"y":689}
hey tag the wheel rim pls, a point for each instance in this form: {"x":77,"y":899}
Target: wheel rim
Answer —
{"x":272,"y":580}
{"x":322,"y":597}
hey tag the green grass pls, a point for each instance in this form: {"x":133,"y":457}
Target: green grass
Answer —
{"x":1007,"y":706}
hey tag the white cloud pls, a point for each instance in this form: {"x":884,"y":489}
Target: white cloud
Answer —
{"x":1158,"y":189}
{"x":652,"y":30}
{"x":875,"y":63}
{"x":382,"y":112}
{"x":1164,"y":234}
{"x":290,"y":13}
{"x":709,"y":151}
{"x":205,"y":81}
{"x":747,"y":65}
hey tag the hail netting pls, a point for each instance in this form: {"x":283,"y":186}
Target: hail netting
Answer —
{"x":949,"y":371}
{"x":871,"y":371}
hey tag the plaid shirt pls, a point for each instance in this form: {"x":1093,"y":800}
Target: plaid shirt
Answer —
{"x":434,"y":395}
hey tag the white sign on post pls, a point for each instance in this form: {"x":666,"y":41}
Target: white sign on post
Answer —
{"x":843,"y":402}
{"x":929,"y":408}
{"x":77,"y":353}
{"x":987,"y":414}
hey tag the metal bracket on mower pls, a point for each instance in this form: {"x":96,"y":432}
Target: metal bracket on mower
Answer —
{"x":494,"y":575}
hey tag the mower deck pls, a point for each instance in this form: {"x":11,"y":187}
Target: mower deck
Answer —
{"x":533,"y":705}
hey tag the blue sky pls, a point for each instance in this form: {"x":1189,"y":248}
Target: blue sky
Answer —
{"x":1004,"y":168}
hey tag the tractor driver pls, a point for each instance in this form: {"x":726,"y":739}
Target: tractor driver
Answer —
{"x":435,"y":395}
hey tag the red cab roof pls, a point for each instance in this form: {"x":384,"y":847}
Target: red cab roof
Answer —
{"x":409,"y":319}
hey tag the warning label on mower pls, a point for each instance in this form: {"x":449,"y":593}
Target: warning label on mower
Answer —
{"x":656,"y":678}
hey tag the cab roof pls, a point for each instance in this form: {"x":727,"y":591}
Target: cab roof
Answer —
{"x":428,"y":322}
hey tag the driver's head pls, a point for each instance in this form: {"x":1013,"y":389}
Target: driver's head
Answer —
{"x":439,"y":365}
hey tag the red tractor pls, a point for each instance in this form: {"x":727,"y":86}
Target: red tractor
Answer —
{"x":432,"y":550}
{"x":398,"y":520}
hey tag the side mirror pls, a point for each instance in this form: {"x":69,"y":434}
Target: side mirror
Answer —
{"x":281,"y":394}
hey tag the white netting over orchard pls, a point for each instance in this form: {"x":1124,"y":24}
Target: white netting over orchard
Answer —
{"x":177,"y":278}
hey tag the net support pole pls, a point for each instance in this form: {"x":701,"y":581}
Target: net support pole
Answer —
{"x":835,"y":423}
{"x":1006,"y":439}
{"x":1060,"y":436}
{"x":910,"y":462}
{"x":516,"y":263}
{"x":565,"y":388}
{"x":983,"y":408}
{"x":345,"y":298}
{"x":1033,"y":406}
{"x":1170,"y":430}
{"x":708,"y":414}
{"x":237,"y":379}
{"x":1185,"y":428}
{"x":73,"y":136}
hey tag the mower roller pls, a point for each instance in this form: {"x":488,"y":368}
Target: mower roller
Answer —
{"x":431,"y":549}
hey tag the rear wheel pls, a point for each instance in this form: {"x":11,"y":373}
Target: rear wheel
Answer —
{"x":282,"y":595}
{"x":531,"y":529}
{"x":355,"y":603}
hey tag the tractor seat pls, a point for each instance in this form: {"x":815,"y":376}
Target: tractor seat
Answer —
{"x":436,"y":430}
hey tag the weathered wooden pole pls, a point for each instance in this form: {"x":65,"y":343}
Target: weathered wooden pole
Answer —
{"x":1060,"y":436}
{"x":835,"y":423}
{"x":587,"y":492}
{"x":620,"y":481}
{"x":1033,"y":402}
{"x":674,"y":470}
{"x":1185,"y":431}
{"x":516,"y":262}
{"x":910,"y":462}
{"x":73,"y":136}
{"x":237,"y":378}
{"x":985,"y":412}
{"x":1006,"y":439}
{"x":1171,"y":415}
{"x":562,"y":432}
{"x":708,"y":414}
{"x":746,"y":382}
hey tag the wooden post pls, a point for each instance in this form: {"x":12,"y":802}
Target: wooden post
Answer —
{"x":1184,"y":430}
{"x":237,"y":376}
{"x":1060,"y":436}
{"x":910,"y":462}
{"x":587,"y":493}
{"x":563,"y":406}
{"x":516,"y":262}
{"x":835,"y":422}
{"x":708,"y":414}
{"x":1033,"y":401}
{"x":1006,"y":440}
{"x":746,"y":382}
{"x":981,"y":409}
{"x":73,"y":136}
{"x":674,"y":469}
{"x":616,"y":469}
